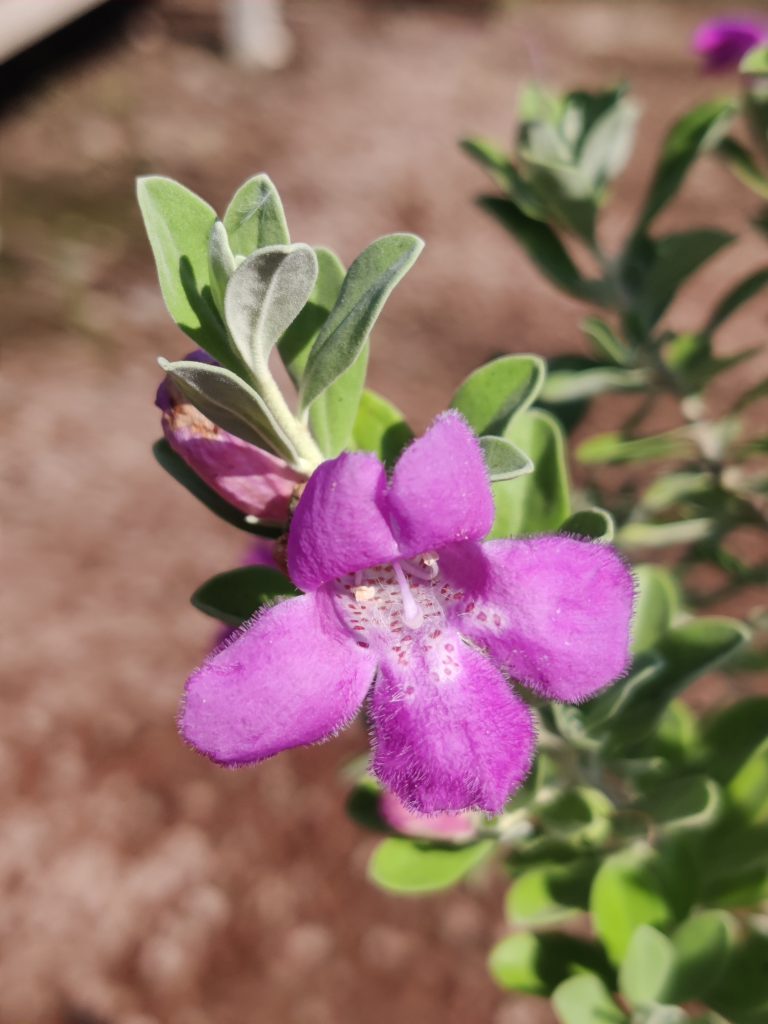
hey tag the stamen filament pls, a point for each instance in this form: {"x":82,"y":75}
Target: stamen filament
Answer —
{"x":413,"y":616}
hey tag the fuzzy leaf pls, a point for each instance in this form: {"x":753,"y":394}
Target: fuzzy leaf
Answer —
{"x":264,"y":296}
{"x":411,"y":866}
{"x":231,"y":403}
{"x":537,"y":964}
{"x":179,"y":224}
{"x":503,"y":460}
{"x":584,"y":999}
{"x":366,"y":288}
{"x":255,"y":217}
{"x":221,"y":263}
{"x":498,"y":390}
{"x":296,"y":344}
{"x":646,"y":973}
{"x":658,"y":601}
{"x":540,"y":501}
{"x":592,"y":523}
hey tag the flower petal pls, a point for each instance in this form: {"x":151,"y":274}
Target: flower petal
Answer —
{"x":449,"y":742}
{"x":440,"y":490}
{"x":339,"y":525}
{"x":554,"y":611}
{"x":292,"y":676}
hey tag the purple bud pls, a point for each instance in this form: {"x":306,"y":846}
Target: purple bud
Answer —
{"x":252,"y":480}
{"x":722,"y":42}
{"x":452,"y":827}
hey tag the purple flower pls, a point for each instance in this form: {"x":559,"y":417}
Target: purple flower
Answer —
{"x":722,"y":42}
{"x":249,"y":478}
{"x":404,"y":607}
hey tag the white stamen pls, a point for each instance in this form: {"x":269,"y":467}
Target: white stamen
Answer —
{"x":424,"y":569}
{"x":363,"y":594}
{"x":413,"y":616}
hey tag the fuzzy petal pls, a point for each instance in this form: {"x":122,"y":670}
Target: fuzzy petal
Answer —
{"x":339,"y":525}
{"x":449,"y":743}
{"x":440,"y":490}
{"x":292,"y":676}
{"x":553,"y":611}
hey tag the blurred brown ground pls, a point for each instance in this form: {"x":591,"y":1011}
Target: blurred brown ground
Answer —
{"x":141,"y":885}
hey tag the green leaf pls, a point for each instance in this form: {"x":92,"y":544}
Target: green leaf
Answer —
{"x":333,"y":414}
{"x":687,"y":652}
{"x":741,"y":993}
{"x":221,"y":263}
{"x":503,"y":460}
{"x":732,"y":735}
{"x":592,"y":523}
{"x":543,"y":247}
{"x":537,"y":964}
{"x":702,"y":947}
{"x":366,"y":288}
{"x":264,"y":296}
{"x":661,"y":535}
{"x":493,"y":160}
{"x":626,"y":893}
{"x":607,"y":711}
{"x":179,"y":225}
{"x":657,"y":604}
{"x":233,"y":597}
{"x":176,"y":467}
{"x":581,"y":815}
{"x":693,"y":802}
{"x":669,"y":262}
{"x":255,"y":217}
{"x":296,"y":344}
{"x":647,"y":970}
{"x":413,"y":866}
{"x":755,"y":62}
{"x":609,"y":141}
{"x":697,"y":132}
{"x":672,"y":488}
{"x":747,"y":791}
{"x":742,"y":165}
{"x":498,"y":390}
{"x":540,"y":501}
{"x":566,"y":194}
{"x":550,"y":893}
{"x":231,"y":403}
{"x":611,"y":447}
{"x":737,"y":296}
{"x":606,"y":342}
{"x":585,"y":999}
{"x":576,"y":385}
{"x":380,"y":428}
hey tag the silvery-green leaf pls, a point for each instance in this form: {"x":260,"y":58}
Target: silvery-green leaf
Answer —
{"x":179,"y":224}
{"x":647,"y":970}
{"x":230,"y":403}
{"x":255,"y":217}
{"x":656,"y":605}
{"x":496,"y":391}
{"x":606,"y":341}
{"x":221,"y":263}
{"x":659,"y":535}
{"x":495,"y":162}
{"x":576,"y":385}
{"x":504,"y":460}
{"x":743,"y":166}
{"x":592,"y":523}
{"x":333,"y":413}
{"x":541,"y":500}
{"x":296,"y":344}
{"x":738,"y":295}
{"x":366,"y":287}
{"x":608,"y":145}
{"x":264,"y":296}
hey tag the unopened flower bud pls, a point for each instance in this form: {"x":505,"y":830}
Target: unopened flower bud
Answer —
{"x":252,"y":480}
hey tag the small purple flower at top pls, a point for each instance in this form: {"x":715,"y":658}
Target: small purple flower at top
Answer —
{"x":722,"y":42}
{"x":249,"y":478}
{"x":406,"y":608}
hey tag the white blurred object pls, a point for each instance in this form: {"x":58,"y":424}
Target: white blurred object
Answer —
{"x":255,"y":33}
{"x":25,"y":22}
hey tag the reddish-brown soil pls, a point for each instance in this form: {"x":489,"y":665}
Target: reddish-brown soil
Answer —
{"x":141,"y":885}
